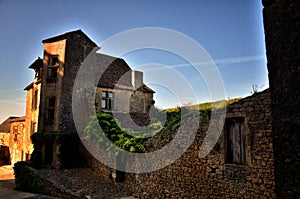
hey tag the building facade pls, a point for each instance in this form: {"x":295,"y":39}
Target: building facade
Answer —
{"x":20,"y":145}
{"x":49,"y":96}
{"x":4,"y":141}
{"x":33,"y":93}
{"x":15,"y":143}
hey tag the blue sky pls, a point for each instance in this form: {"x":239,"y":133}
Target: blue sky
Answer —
{"x":230,"y":31}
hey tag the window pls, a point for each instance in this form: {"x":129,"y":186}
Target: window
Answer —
{"x":53,"y":61}
{"x":235,"y":141}
{"x":51,"y":102}
{"x":34,"y":100}
{"x":15,"y":132}
{"x":50,"y":113}
{"x":53,"y":64}
{"x":52,"y":75}
{"x":52,"y":72}
{"x":33,"y":127}
{"x":107,"y":100}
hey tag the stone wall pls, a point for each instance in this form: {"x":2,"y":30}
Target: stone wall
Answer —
{"x":4,"y":148}
{"x":281,"y":23}
{"x":51,"y":87}
{"x":4,"y":138}
{"x":33,"y":94}
{"x":17,"y":141}
{"x":213,"y":176}
{"x":77,"y":48}
{"x":141,"y":101}
{"x":94,"y":164}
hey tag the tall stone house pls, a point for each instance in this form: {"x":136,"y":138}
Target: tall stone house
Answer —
{"x":4,"y":141}
{"x":20,"y":146}
{"x":49,"y":96}
{"x":15,"y":143}
{"x":15,"y":132}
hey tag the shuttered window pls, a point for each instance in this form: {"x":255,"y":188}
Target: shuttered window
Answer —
{"x":235,"y":141}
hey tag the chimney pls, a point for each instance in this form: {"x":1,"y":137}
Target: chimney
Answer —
{"x":136,"y":79}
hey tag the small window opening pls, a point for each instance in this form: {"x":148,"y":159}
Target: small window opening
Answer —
{"x":235,"y":141}
{"x":107,"y":100}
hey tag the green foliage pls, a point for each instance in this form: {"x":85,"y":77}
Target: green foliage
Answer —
{"x":28,"y":181}
{"x":172,"y":122}
{"x":119,"y":137}
{"x":177,"y":115}
{"x":132,"y":141}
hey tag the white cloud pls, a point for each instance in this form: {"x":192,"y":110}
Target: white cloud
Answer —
{"x":219,"y":62}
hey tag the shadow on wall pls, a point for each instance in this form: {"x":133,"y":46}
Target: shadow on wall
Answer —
{"x":4,"y":155}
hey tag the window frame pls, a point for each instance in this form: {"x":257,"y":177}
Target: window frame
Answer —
{"x":15,"y":133}
{"x":52,"y":74}
{"x":235,"y":144}
{"x":35,"y":100}
{"x":50,"y":113}
{"x":107,"y":99}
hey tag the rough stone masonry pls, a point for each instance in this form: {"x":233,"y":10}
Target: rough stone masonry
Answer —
{"x":282,"y":25}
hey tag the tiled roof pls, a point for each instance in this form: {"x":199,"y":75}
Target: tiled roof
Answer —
{"x":18,"y":119}
{"x":29,"y":86}
{"x":38,"y":63}
{"x":147,"y":89}
{"x":5,"y":126}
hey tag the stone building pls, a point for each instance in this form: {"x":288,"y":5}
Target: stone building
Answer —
{"x":4,"y":141}
{"x":33,"y":93}
{"x":239,"y":166}
{"x":49,"y":97}
{"x":15,"y":143}
{"x":20,"y":146}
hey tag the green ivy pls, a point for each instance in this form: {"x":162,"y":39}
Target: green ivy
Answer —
{"x":123,"y":139}
{"x":119,"y":137}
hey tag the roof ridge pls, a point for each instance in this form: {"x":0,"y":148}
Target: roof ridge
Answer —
{"x":65,"y":35}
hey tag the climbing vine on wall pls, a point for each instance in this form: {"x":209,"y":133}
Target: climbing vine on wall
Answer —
{"x":119,"y":137}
